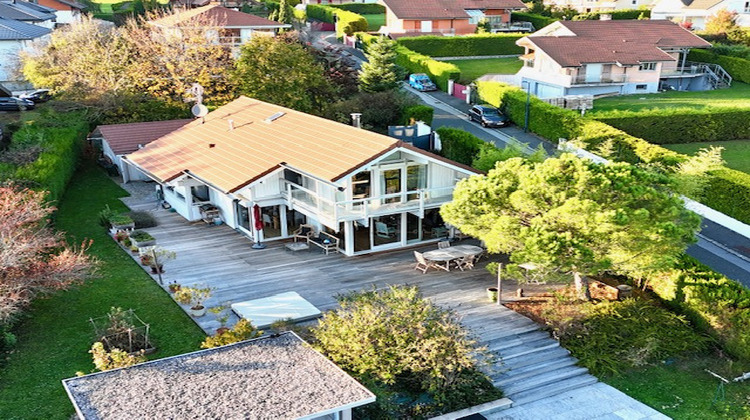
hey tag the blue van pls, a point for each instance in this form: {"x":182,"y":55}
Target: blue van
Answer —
{"x":421,"y":82}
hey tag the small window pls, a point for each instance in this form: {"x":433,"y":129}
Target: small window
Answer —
{"x":641,"y":87}
{"x":647,"y":67}
{"x":747,"y":7}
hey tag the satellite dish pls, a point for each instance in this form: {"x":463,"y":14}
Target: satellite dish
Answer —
{"x":199,"y":110}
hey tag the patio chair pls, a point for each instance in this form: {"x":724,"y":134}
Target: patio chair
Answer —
{"x":422,"y":263}
{"x":465,"y":263}
{"x":444,"y":244}
{"x":304,"y":232}
{"x":383,"y":231}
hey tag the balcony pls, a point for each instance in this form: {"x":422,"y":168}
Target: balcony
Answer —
{"x":332,"y":213}
{"x":604,"y":79}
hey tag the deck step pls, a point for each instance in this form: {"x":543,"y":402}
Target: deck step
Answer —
{"x":511,"y":376}
{"x":528,"y":338}
{"x":521,"y":351}
{"x":503,"y":333}
{"x":549,"y":377}
{"x":536,"y":358}
{"x":550,"y":390}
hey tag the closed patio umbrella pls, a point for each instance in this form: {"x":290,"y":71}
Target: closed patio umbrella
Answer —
{"x":258,"y":223}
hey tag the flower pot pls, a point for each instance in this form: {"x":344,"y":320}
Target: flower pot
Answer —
{"x":154,"y":271}
{"x":174,"y":287}
{"x":221,"y":330}
{"x":492,"y":294}
{"x":197,"y":311}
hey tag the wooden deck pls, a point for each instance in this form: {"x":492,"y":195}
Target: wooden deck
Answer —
{"x":530,"y":366}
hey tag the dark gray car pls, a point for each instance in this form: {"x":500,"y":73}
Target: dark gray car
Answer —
{"x":488,"y":116}
{"x":15,"y":104}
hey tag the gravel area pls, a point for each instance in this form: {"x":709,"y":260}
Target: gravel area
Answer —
{"x":274,"y":377}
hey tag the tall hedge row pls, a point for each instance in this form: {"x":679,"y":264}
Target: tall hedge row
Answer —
{"x":414,"y":62}
{"x":738,"y":68}
{"x":725,"y":187}
{"x":321,"y":13}
{"x":459,"y":145}
{"x":361,"y":8}
{"x":346,"y":22}
{"x":682,"y":125}
{"x":712,"y":302}
{"x":538,"y":21}
{"x":462,"y":46}
{"x":423,"y":113}
{"x":61,"y":138}
{"x":624,"y":14}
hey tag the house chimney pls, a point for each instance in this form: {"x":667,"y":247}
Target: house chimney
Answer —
{"x":231,"y":124}
{"x":357,"y":119}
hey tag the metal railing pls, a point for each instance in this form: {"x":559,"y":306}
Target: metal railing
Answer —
{"x":583,"y":79}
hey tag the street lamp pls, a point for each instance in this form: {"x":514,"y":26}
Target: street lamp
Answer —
{"x":528,"y":103}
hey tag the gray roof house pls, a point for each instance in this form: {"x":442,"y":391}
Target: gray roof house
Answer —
{"x":27,"y":12}
{"x":271,"y":377}
{"x":14,"y":30}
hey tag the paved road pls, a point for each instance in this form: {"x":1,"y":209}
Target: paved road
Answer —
{"x":719,"y":248}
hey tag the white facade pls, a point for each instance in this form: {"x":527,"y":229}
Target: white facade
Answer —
{"x":676,"y":11}
{"x":585,"y":6}
{"x":67,"y":17}
{"x":10,"y":52}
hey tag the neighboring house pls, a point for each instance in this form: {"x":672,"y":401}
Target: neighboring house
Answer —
{"x":585,"y":6}
{"x":233,"y":28}
{"x":118,"y":140}
{"x":27,"y":12}
{"x":697,"y":12}
{"x":271,"y":377}
{"x":614,"y":57}
{"x":16,"y":36}
{"x":337,"y":1}
{"x":67,"y":11}
{"x":446,"y":17}
{"x":371,"y":191}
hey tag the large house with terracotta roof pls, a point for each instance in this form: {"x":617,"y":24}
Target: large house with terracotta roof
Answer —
{"x":695,"y":13}
{"x":370,"y":191}
{"x":599,"y":57}
{"x":445,"y":17}
{"x":233,"y":28}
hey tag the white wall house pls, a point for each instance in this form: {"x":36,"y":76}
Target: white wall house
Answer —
{"x":613,"y":57}
{"x":697,"y":12}
{"x":585,"y":6}
{"x":16,"y":37}
{"x":67,"y":11}
{"x":371,"y":191}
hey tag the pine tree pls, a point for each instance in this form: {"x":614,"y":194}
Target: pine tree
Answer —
{"x":285,"y":13}
{"x":380,"y":73}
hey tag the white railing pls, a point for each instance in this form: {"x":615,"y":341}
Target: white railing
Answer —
{"x":583,"y":79}
{"x":364,"y":208}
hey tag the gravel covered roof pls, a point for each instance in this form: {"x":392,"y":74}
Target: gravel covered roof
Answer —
{"x":274,"y":377}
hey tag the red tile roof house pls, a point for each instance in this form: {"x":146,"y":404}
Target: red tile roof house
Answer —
{"x":600,"y":57}
{"x":67,"y":11}
{"x":369,"y":191}
{"x":447,"y":17}
{"x":234,"y":28}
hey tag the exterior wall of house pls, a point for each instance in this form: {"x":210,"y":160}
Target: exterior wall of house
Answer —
{"x":9,"y":51}
{"x":675,"y":9}
{"x":67,"y":17}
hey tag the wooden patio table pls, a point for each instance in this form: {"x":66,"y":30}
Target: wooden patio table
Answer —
{"x":451,"y":253}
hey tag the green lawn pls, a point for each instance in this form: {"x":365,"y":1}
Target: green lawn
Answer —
{"x":54,"y":339}
{"x":736,"y":152}
{"x":374,"y":21}
{"x":472,"y":69}
{"x":683,"y":390}
{"x":736,"y":96}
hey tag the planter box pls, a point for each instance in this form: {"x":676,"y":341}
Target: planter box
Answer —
{"x":127,"y":226}
{"x":141,"y":244}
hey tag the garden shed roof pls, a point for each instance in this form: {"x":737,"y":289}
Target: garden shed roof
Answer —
{"x":125,"y":138}
{"x":273,"y":377}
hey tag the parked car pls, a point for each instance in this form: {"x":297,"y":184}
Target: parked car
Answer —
{"x":421,"y":82}
{"x":15,"y":104}
{"x":488,"y":116}
{"x":37,"y":96}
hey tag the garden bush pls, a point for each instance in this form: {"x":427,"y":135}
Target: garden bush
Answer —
{"x":738,"y":68}
{"x":415,"y":113}
{"x":321,"y":13}
{"x":349,"y":22}
{"x":460,"y":46}
{"x":681,"y":125}
{"x":142,"y":219}
{"x":714,"y":303}
{"x":361,"y":8}
{"x":612,"y":337}
{"x":459,"y":145}
{"x":242,"y":330}
{"x":113,"y":359}
{"x":538,"y":21}
{"x":414,"y":62}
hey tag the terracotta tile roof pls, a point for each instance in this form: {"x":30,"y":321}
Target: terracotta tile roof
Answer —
{"x":446,"y":9}
{"x":627,"y":42}
{"x":232,"y":158}
{"x":217,"y":15}
{"x":125,"y":138}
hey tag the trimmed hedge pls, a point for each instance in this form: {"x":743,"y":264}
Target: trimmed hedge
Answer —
{"x":624,"y":14}
{"x":61,"y":137}
{"x":738,"y":68}
{"x":459,"y":145}
{"x":682,"y":125}
{"x":538,"y":21}
{"x":439,"y":71}
{"x":422,"y":113}
{"x":727,"y":192}
{"x":346,"y":22}
{"x":321,"y":13}
{"x":361,"y":8}
{"x":712,"y":302}
{"x":461,"y":46}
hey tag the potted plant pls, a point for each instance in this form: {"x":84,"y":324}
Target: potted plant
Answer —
{"x":195,"y":297}
{"x":146,"y":259}
{"x":222,"y":317}
{"x":133,"y":248}
{"x":120,"y":236}
{"x":127,"y":243}
{"x":174,"y":287}
{"x":141,"y":238}
{"x":158,"y":256}
{"x":492,"y":294}
{"x":121,"y":221}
